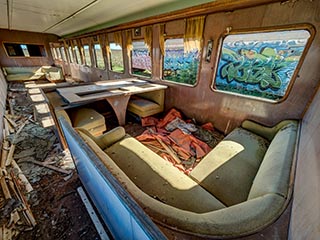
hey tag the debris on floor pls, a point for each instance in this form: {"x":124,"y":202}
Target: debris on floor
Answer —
{"x":38,"y":197}
{"x":181,"y":142}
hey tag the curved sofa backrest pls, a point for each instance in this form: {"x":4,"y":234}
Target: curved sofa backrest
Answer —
{"x":274,"y":173}
{"x":63,"y":113}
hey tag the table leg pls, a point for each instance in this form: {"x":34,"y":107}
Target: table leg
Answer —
{"x":119,"y":105}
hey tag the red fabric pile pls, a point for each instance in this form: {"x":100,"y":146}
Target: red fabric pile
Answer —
{"x":176,"y":145}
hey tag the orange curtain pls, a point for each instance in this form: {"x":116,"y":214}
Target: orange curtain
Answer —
{"x":193,"y":33}
{"x":161,"y":40}
{"x":148,"y":37}
{"x":117,"y":37}
{"x":129,"y":42}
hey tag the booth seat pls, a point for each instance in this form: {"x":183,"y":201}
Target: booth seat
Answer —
{"x":85,"y":118}
{"x":147,"y":104}
{"x":33,"y":73}
{"x":240,"y":187}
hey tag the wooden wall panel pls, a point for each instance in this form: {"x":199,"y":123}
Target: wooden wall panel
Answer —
{"x":228,"y":111}
{"x":25,"y":37}
{"x":3,"y":97}
{"x":305,"y":218}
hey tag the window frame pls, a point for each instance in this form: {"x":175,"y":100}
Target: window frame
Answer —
{"x":306,"y":27}
{"x":42,"y":48}
{"x":130,"y":62}
{"x":70,"y":54}
{"x":78,"y":59}
{"x":59,"y":57}
{"x":95,"y":56}
{"x":110,"y":59}
{"x":180,"y":36}
{"x":85,"y":55}
{"x":63,"y":53}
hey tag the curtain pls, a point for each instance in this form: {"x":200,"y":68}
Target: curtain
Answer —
{"x":101,"y":40}
{"x":193,"y":33}
{"x":117,"y":37}
{"x":107,"y":44}
{"x":161,"y":40}
{"x":129,"y":42}
{"x":148,"y":37}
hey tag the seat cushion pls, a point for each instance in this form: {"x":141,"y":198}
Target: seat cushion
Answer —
{"x":229,"y":169}
{"x":159,"y":179}
{"x":143,"y":107}
{"x":88,"y":119}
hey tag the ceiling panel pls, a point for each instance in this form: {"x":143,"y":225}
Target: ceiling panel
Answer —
{"x":38,"y":15}
{"x":64,"y":17}
{"x":3,"y":14}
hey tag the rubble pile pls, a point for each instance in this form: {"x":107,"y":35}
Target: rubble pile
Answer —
{"x":29,"y":153}
{"x":181,"y":142}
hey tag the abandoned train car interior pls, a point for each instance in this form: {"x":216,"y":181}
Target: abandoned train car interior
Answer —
{"x":168,"y":119}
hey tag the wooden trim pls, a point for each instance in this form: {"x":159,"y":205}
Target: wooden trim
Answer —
{"x":203,"y":9}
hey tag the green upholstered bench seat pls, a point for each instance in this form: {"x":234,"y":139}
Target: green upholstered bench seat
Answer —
{"x":86,"y":118}
{"x":152,"y":174}
{"x":240,"y":187}
{"x":33,"y":73}
{"x":237,"y":157}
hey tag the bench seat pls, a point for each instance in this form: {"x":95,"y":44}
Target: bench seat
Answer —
{"x":86,"y":118}
{"x":50,"y":73}
{"x":147,"y":104}
{"x":240,"y":187}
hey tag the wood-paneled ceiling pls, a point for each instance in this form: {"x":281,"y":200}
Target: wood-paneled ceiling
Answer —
{"x":63,"y":17}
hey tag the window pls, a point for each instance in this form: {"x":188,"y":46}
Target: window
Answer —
{"x":58,"y":53}
{"x":180,"y":66}
{"x":140,"y":59}
{"x":24,"y":50}
{"x":260,"y":64}
{"x":53,"y":52}
{"x":99,"y":56}
{"x":116,"y":58}
{"x":78,"y":57}
{"x":63,"y":54}
{"x":87,"y":57}
{"x":70,"y":54}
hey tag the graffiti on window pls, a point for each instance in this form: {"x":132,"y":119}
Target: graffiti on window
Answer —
{"x":260,"y":64}
{"x":141,"y":59}
{"x":180,"y":66}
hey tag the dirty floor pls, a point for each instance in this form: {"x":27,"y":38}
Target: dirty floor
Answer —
{"x":54,"y":201}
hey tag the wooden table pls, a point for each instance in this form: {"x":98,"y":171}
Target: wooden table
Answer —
{"x":116,"y":92}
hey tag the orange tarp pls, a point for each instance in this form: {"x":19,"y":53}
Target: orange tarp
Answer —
{"x":175,"y":145}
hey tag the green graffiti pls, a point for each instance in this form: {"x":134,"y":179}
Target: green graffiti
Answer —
{"x":250,"y":67}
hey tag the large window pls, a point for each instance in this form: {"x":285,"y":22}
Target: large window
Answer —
{"x":63,"y":54}
{"x":99,"y":56}
{"x":58,"y":53}
{"x":24,"y":50}
{"x":180,"y":66}
{"x":53,"y":52}
{"x":260,"y":64}
{"x":87,"y":56}
{"x":70,"y":54}
{"x":140,"y":59}
{"x":116,"y":58}
{"x":78,"y":57}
